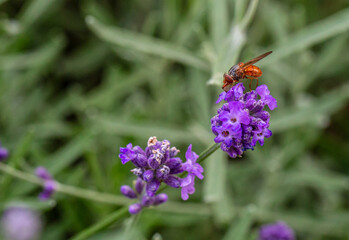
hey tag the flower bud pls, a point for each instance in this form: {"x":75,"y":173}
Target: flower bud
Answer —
{"x":148,"y":175}
{"x":162,"y":172}
{"x":135,"y":208}
{"x":173,"y":181}
{"x":127,"y":191}
{"x":152,"y":187}
{"x":154,"y":161}
{"x":147,"y":201}
{"x":160,"y":198}
{"x":139,"y":185}
{"x":42,"y":173}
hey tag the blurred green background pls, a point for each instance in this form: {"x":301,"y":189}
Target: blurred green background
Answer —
{"x":79,"y":79}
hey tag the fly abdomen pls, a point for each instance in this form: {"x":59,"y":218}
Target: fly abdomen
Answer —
{"x":253,"y":71}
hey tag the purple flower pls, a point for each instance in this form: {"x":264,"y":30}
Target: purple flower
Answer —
{"x":127,"y":154}
{"x":241,"y":122}
{"x":3,"y":153}
{"x":191,"y":166}
{"x":264,"y":93}
{"x":49,"y":184}
{"x":155,"y":165}
{"x":276,"y":231}
{"x":21,"y":223}
{"x":188,"y":186}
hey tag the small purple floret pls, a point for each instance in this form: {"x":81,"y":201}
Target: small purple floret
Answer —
{"x":241,"y":122}
{"x":276,"y":231}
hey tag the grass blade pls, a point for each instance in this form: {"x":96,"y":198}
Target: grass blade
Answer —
{"x":145,"y":44}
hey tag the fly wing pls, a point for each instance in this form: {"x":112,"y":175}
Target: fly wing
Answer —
{"x":249,"y":63}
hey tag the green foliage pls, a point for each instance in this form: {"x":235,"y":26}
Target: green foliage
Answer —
{"x":79,"y":79}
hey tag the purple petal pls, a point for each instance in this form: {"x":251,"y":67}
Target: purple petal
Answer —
{"x":221,"y":97}
{"x":244,"y":118}
{"x":127,"y":154}
{"x":267,"y":133}
{"x":186,"y":190}
{"x":271,"y":102}
{"x":187,"y":180}
{"x":190,"y":155}
{"x":262,"y":91}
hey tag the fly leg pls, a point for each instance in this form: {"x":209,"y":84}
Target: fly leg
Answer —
{"x":251,"y":78}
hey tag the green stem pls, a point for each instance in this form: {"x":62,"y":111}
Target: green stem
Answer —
{"x":103,"y":224}
{"x":66,"y":189}
{"x":19,"y":174}
{"x":92,"y":195}
{"x":205,"y":154}
{"x":252,"y":7}
{"x":130,"y":227}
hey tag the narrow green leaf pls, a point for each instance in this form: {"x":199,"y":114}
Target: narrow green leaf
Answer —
{"x":309,"y":36}
{"x":15,"y":161}
{"x":144,"y":130}
{"x":39,"y":58}
{"x":239,"y":230}
{"x":70,"y":152}
{"x":322,"y":107}
{"x":143,"y":43}
{"x":33,"y":203}
{"x":215,"y":186}
{"x":218,"y":13}
{"x":34,"y":10}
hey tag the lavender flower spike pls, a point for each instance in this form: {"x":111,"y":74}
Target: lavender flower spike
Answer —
{"x":21,"y":223}
{"x":276,"y":231}
{"x":155,"y":165}
{"x":3,"y":153}
{"x":242,"y":121}
{"x":49,"y":186}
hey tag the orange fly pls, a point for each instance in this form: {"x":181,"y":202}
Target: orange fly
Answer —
{"x":243,"y":70}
